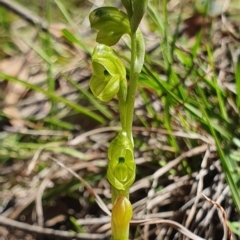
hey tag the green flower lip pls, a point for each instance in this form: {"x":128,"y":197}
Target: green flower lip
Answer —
{"x":121,"y":170}
{"x":121,"y":159}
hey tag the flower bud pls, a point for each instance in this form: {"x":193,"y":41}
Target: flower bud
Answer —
{"x":128,"y":5}
{"x":121,"y":216}
{"x":108,"y":71}
{"x":121,"y":167}
{"x":139,"y":8}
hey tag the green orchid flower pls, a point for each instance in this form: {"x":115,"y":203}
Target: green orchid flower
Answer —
{"x":108,"y":73}
{"x":121,"y":167}
{"x":111,"y":23}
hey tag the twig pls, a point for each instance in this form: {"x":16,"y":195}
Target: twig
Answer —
{"x":171,"y":223}
{"x":38,"y":132}
{"x":39,"y":196}
{"x":191,"y":135}
{"x":165,"y":169}
{"x":229,"y":30}
{"x":173,"y":163}
{"x":99,"y":201}
{"x":200,"y":178}
{"x":24,"y":13}
{"x":47,"y":231}
{"x":222,"y":213}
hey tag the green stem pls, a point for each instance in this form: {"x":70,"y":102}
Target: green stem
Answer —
{"x":115,"y":192}
{"x":126,"y":116}
{"x":137,"y":59}
{"x":126,"y":107}
{"x":122,"y":95}
{"x":132,"y":88}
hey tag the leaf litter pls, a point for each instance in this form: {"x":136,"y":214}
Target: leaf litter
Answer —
{"x":38,"y":197}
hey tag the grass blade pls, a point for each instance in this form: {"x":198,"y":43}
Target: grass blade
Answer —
{"x":55,"y":97}
{"x":237,"y":79}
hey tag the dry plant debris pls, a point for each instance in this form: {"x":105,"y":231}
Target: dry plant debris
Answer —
{"x":38,"y":197}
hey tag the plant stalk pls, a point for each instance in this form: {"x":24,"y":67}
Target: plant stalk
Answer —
{"x":132,"y":88}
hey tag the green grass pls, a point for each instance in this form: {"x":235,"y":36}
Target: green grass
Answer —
{"x":207,"y":105}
